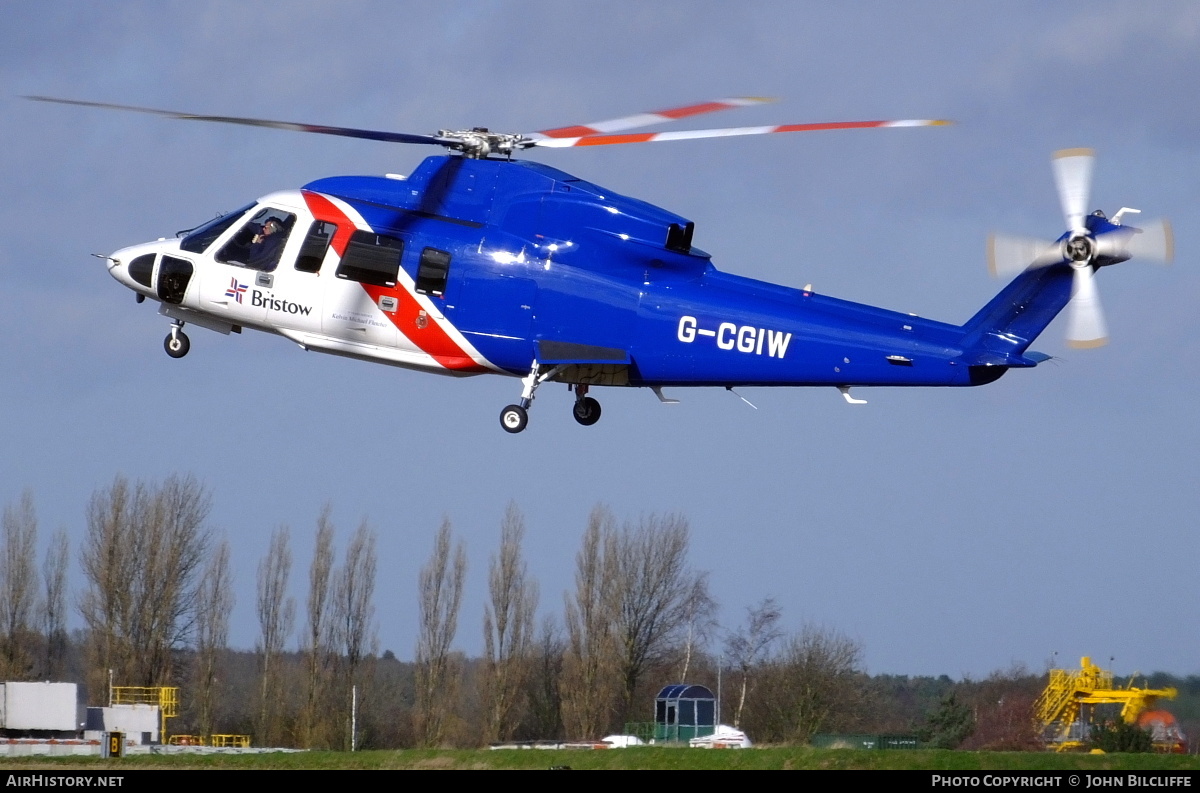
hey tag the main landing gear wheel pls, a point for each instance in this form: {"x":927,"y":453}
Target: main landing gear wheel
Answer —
{"x":177,"y":344}
{"x":513,"y":418}
{"x":586,"y":411}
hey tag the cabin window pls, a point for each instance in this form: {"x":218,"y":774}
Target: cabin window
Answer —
{"x":198,"y":239}
{"x":371,"y":259}
{"x":259,"y":243}
{"x":432,"y":272}
{"x":316,"y":243}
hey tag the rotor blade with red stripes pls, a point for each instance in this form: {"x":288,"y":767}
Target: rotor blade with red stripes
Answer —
{"x":646,"y":119}
{"x":692,"y":134}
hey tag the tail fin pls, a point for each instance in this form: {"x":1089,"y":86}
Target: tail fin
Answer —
{"x":1001,"y":332}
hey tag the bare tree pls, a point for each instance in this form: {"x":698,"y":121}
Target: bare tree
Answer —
{"x":213,"y":607}
{"x":590,"y":664}
{"x":441,"y":585}
{"x":318,"y":642}
{"x":276,"y":615}
{"x":142,"y":556}
{"x":171,"y":548}
{"x":544,"y":683}
{"x":109,"y":564}
{"x":813,"y":684}
{"x":355,"y":607}
{"x":749,"y":645}
{"x":657,"y":596}
{"x":54,"y":602}
{"x":18,"y":586}
{"x":701,"y":623}
{"x":507,"y":628}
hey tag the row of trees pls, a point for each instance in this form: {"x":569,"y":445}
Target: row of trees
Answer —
{"x":158,"y":596}
{"x":33,"y":607}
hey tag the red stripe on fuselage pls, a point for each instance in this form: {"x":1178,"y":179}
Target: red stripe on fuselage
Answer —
{"x":431,"y":339}
{"x":324,"y":209}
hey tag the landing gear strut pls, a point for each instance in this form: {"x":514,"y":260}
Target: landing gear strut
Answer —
{"x":177,"y":343}
{"x":514,"y":418}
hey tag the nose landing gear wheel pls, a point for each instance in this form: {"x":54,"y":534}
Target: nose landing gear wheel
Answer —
{"x":177,"y":344}
{"x":513,"y":418}
{"x":586,"y":411}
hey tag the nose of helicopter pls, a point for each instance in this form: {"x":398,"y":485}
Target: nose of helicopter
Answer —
{"x":115,"y":264}
{"x":131,"y":267}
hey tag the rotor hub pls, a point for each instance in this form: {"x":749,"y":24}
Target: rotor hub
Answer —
{"x":479,"y":142}
{"x":1079,"y":248}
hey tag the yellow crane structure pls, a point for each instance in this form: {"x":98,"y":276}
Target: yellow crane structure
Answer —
{"x":165,"y":698}
{"x":1060,"y":708}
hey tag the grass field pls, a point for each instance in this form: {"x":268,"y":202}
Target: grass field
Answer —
{"x":798,"y":758}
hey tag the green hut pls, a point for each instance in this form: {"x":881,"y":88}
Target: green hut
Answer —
{"x":683,"y":712}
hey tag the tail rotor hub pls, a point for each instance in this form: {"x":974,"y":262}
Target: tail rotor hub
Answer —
{"x":1080,"y":249}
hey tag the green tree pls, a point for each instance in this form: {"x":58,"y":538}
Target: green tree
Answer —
{"x":949,"y":725}
{"x":1117,"y":736}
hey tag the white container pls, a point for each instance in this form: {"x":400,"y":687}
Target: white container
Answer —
{"x":38,"y":706}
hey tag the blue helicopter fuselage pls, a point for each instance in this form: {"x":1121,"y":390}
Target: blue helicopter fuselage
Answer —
{"x":547,"y":267}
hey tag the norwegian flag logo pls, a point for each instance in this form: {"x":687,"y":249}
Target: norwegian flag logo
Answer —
{"x":235,"y":290}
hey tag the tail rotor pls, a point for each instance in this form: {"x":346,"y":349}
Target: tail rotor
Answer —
{"x":1091,"y":241}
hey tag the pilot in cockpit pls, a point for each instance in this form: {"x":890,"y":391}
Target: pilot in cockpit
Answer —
{"x":265,"y":246}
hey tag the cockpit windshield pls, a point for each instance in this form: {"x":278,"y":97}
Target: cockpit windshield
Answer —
{"x":198,"y":239}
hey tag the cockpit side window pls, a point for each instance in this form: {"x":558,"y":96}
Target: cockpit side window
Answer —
{"x":259,"y":243}
{"x":371,"y":258}
{"x":316,"y":243}
{"x":198,"y":239}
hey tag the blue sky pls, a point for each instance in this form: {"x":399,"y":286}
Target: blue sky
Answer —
{"x":950,"y":531}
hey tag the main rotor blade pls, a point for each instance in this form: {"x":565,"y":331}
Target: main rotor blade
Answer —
{"x":692,"y":134}
{"x":646,"y":119}
{"x":1009,"y":255}
{"x":1073,"y":177}
{"x":320,"y":129}
{"x":1085,"y":321}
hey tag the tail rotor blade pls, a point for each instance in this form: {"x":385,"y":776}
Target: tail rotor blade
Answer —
{"x":1085,"y":320}
{"x":1073,"y":177}
{"x":1156,"y":242}
{"x":1009,"y":255}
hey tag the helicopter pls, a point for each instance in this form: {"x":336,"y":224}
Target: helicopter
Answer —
{"x":480,"y":263}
